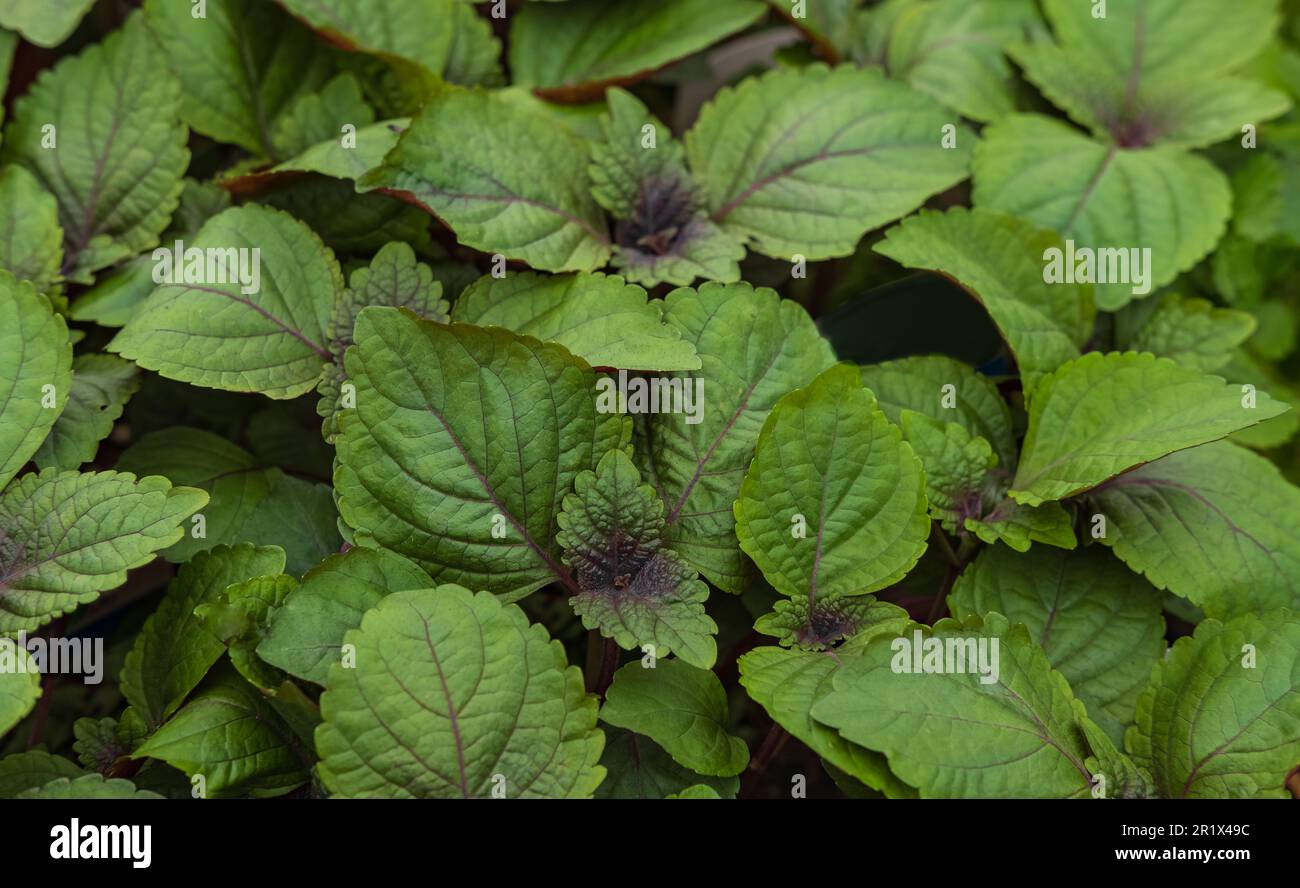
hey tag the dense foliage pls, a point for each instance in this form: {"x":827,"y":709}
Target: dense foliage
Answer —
{"x":652,"y":398}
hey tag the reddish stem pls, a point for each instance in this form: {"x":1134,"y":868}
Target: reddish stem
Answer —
{"x":767,"y":750}
{"x":608,"y":663}
{"x":42,"y":713}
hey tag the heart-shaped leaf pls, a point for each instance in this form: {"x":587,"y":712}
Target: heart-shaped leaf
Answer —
{"x":571,"y":49}
{"x":115,"y":195}
{"x":241,"y":67}
{"x":1009,"y":731}
{"x":600,"y":318}
{"x":753,"y":348}
{"x":1221,"y":718}
{"x":811,"y":184}
{"x":66,"y":537}
{"x":505,"y":179}
{"x":35,"y":372}
{"x":1212,"y":524}
{"x":834,"y":501}
{"x":306,"y":633}
{"x":1104,"y":414}
{"x":420,"y":715}
{"x":1099,"y":624}
{"x":462,"y":445}
{"x":257,"y":325}
{"x":634,"y":589}
{"x":680,"y":707}
{"x":1051,"y":174}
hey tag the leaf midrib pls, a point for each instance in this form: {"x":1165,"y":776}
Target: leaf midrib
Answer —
{"x":559,"y":574}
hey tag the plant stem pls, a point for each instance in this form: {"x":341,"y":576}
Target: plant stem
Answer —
{"x":957,"y":562}
{"x":609,"y":662}
{"x":124,"y":768}
{"x":42,"y":713}
{"x":602,"y":660}
{"x":48,"y":681}
{"x":591,"y":671}
{"x":940,"y":601}
{"x":945,"y":548}
{"x":767,"y":750}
